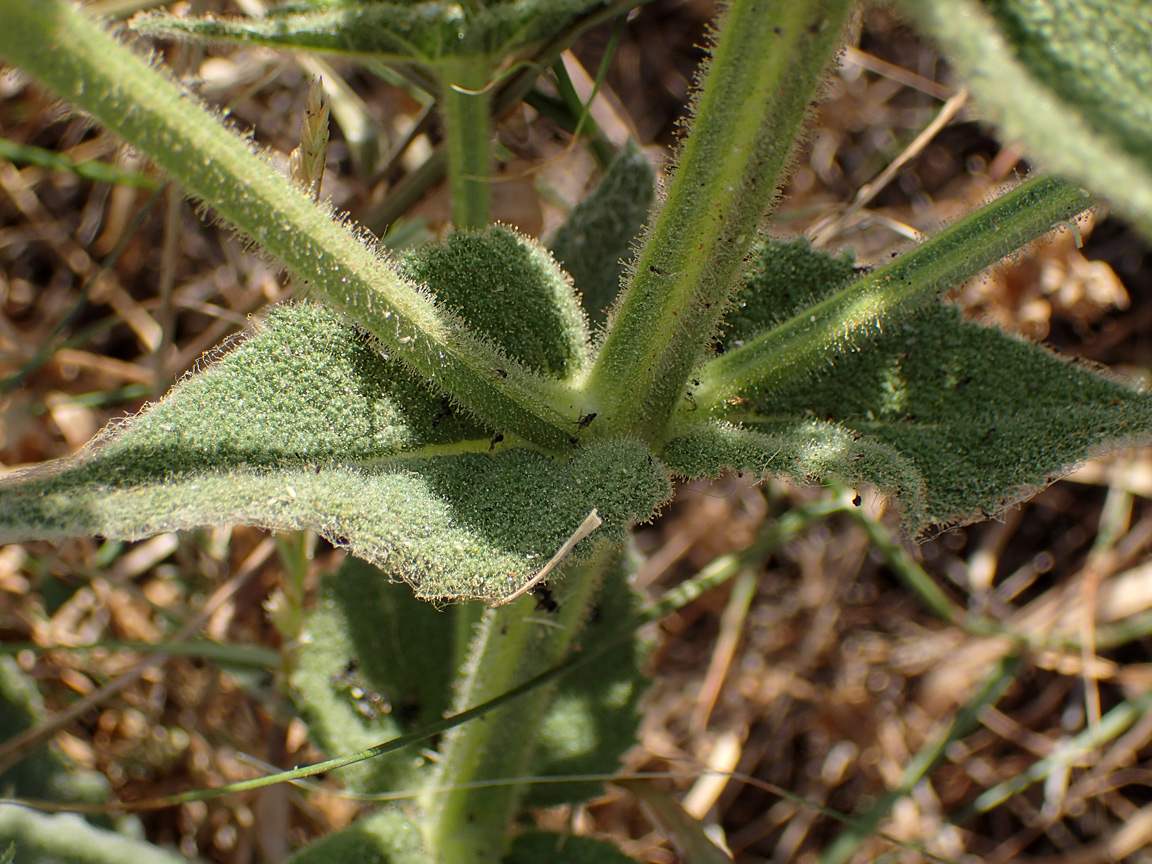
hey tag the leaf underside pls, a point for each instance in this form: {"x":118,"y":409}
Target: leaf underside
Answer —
{"x":956,"y":419}
{"x":375,"y":662}
{"x":1094,"y":55}
{"x":306,"y":425}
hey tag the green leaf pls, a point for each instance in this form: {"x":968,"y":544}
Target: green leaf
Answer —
{"x":44,"y":773}
{"x":956,"y":419}
{"x":805,"y":451}
{"x":387,"y":837}
{"x":598,"y":236}
{"x":1070,"y":79}
{"x":508,"y":289}
{"x":390,"y":32}
{"x":339,"y":265}
{"x":375,"y":663}
{"x":1094,"y":55}
{"x":785,"y":278}
{"x":304,"y":425}
{"x":986,"y":418}
{"x":540,"y":847}
{"x":825,"y":320}
{"x":595,"y":713}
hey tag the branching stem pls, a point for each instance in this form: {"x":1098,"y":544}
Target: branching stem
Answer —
{"x":842,"y":323}
{"x":764,"y":72}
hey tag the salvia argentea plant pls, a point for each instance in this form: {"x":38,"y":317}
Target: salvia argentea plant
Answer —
{"x":450,"y":417}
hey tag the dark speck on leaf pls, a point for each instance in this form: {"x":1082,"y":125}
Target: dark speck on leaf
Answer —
{"x":443,"y":414}
{"x":545,"y":599}
{"x":409,"y":711}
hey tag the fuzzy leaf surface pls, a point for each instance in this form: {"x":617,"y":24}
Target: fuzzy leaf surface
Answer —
{"x":510,"y":291}
{"x":305,"y":425}
{"x":986,"y":418}
{"x":423,"y":32}
{"x":374,"y":663}
{"x":802,"y":449}
{"x":1094,"y":54}
{"x":596,"y":711}
{"x":597,"y":239}
{"x":386,"y":837}
{"x":957,"y":419}
{"x":66,"y":838}
{"x":542,"y":847}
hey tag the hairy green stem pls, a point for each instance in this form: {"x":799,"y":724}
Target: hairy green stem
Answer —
{"x":764,"y":72}
{"x":809,"y":341}
{"x":510,"y":646}
{"x":464,"y":108}
{"x":74,"y":56}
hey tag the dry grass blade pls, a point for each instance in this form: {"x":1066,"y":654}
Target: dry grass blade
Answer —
{"x":731,"y":626}
{"x":687,"y":834}
{"x":591,"y":522}
{"x":822,"y":235}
